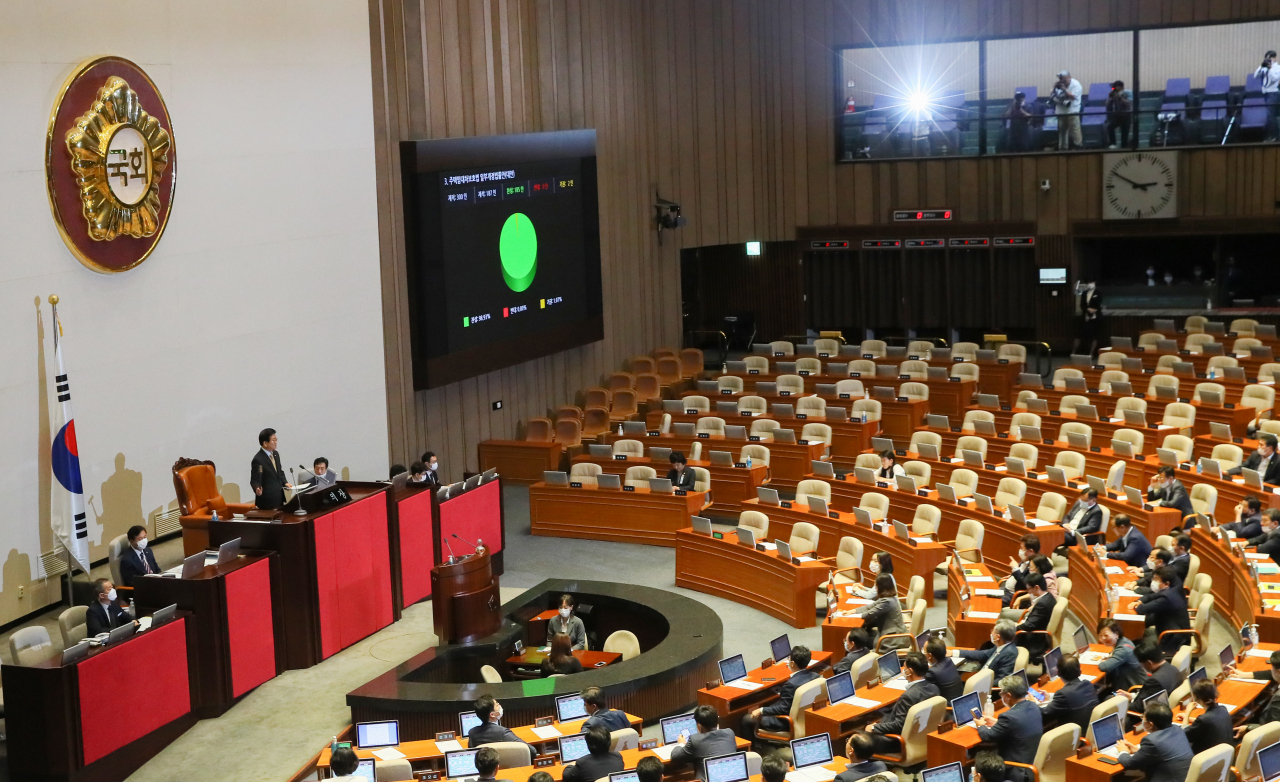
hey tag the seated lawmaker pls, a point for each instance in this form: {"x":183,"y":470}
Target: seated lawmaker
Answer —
{"x":881,"y":564}
{"x":860,"y":750}
{"x":989,"y":767}
{"x":942,"y":671}
{"x":1075,"y":701}
{"x":1213,"y":727}
{"x":1271,"y":712}
{"x":1085,"y":519}
{"x":649,"y":769}
{"x":418,"y":474}
{"x":1028,"y":549}
{"x":105,"y":614}
{"x":433,"y":468}
{"x":600,"y":713}
{"x":884,"y":616}
{"x":1168,"y":491}
{"x":1248,"y":523}
{"x":1161,"y":675}
{"x":560,"y":659}
{"x":889,"y":467}
{"x":710,"y":740}
{"x":565,"y":622}
{"x":343,"y":764}
{"x":1130,"y":546}
{"x":681,"y":474}
{"x":857,"y":644}
{"x":324,"y":476}
{"x":1263,"y":460}
{"x":1000,"y":657}
{"x":1164,"y":754}
{"x":490,"y":730}
{"x":1036,"y":620}
{"x":487,"y":761}
{"x":766,"y":717}
{"x":137,"y":560}
{"x":914,"y":667}
{"x":1016,"y":731}
{"x":599,"y":761}
{"x":774,"y":768}
{"x":1165,"y":609}
{"x":1269,"y":541}
{"x":1121,"y":667}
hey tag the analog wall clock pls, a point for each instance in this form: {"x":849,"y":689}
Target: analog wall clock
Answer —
{"x":1140,"y":185}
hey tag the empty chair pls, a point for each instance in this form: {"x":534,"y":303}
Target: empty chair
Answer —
{"x":1204,"y":499}
{"x":1111,"y":359}
{"x":1111,"y":376}
{"x":965,"y":371}
{"x":1156,"y":381}
{"x":696,"y":402}
{"x":569,"y":411}
{"x":848,"y":568}
{"x":965,"y":350}
{"x":813,"y":488}
{"x":1244,"y":327}
{"x":621,"y":380}
{"x":630,"y":448}
{"x":783,"y":347}
{"x":641,"y":365}
{"x":1261,"y":398}
{"x":1269,"y":372}
{"x":1149,"y":341}
{"x":816,"y":431}
{"x":866,"y":410}
{"x":921,"y":472}
{"x":1028,"y":453}
{"x":568,"y":431}
{"x":1165,"y":364}
{"x":914,"y":370}
{"x":968,"y":542}
{"x":851,"y":386}
{"x":648,"y":387}
{"x":863,"y":367}
{"x":1070,"y":402}
{"x":829,"y":346}
{"x":1217,"y":364}
{"x":691,"y":362}
{"x":595,"y":422}
{"x":1010,"y":491}
{"x":639,"y":476}
{"x":73,"y":625}
{"x":804,"y":539}
{"x":758,"y":453}
{"x":731,"y":383}
{"x":31,"y":646}
{"x":1052,"y":506}
{"x":756,"y":405}
{"x":490,"y":674}
{"x":624,"y":405}
{"x":1076,"y":427}
{"x":669,"y":369}
{"x":622,"y":642}
{"x":758,"y":363}
{"x":538,"y":430}
{"x":755,"y":521}
{"x":975,"y":415}
{"x":1014,"y":353}
{"x":1217,"y":388}
{"x":585,"y":473}
{"x":917,"y":437}
{"x":1194,"y":324}
{"x":1020,"y":420}
{"x":1133,"y":437}
{"x":1196,"y":342}
{"x":1061,"y":374}
{"x":1227,"y":455}
{"x":1242,"y":347}
{"x":971,"y":443}
{"x":811,"y":406}
{"x":1021,"y":402}
{"x":1179,"y":415}
{"x":914,"y":391}
{"x":765,"y":427}
{"x":920,"y":348}
{"x":809,"y":364}
{"x":926,"y":520}
{"x":964,"y":482}
{"x":875,"y":504}
{"x":1179,"y":444}
{"x":872,"y":347}
{"x":1071,"y":464}
{"x":1131,"y":403}
{"x":711,"y":424}
{"x":660,"y":353}
{"x":792,"y":384}
{"x":597,"y":397}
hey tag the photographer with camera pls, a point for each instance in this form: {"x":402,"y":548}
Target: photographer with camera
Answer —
{"x":1018,"y":126}
{"x":1269,"y":74}
{"x":1066,"y":101}
{"x":1119,"y":113}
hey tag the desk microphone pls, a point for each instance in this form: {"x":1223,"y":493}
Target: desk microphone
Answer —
{"x":297,"y":495}
{"x":452,"y":558}
{"x":475,"y":546}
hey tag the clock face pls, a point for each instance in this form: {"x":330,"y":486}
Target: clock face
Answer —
{"x":1140,"y":185}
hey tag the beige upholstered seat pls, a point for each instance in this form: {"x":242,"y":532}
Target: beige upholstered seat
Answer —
{"x":696,"y":402}
{"x":1133,"y":437}
{"x":393,"y":770}
{"x":873,"y":347}
{"x":811,"y":405}
{"x":1070,"y":402}
{"x":1227,"y":455}
{"x":731,"y":383}
{"x":914,"y":391}
{"x":914,"y":370}
{"x":848,"y":562}
{"x":758,"y":363}
{"x":758,"y":453}
{"x":755,"y":521}
{"x":920,"y":348}
{"x":1156,"y":381}
{"x":623,"y":642}
{"x":1061,"y":374}
{"x":701,"y":479}
{"x":1056,"y":745}
{"x":711,"y":424}
{"x":875,"y":504}
{"x":921,"y":436}
{"x":1027,"y":452}
{"x":1011,"y":491}
{"x":1218,"y":387}
{"x":922,"y":472}
{"x":971,"y":443}
{"x":510,"y":753}
{"x":490,"y":674}
{"x":1118,"y":704}
{"x":1244,"y":327}
{"x":1260,"y":398}
{"x":1200,"y":587}
{"x":1023,"y":396}
{"x":765,"y":427}
{"x":585,"y":473}
{"x":926,"y":520}
{"x":1014,"y":353}
{"x":1111,"y":376}
{"x":809,"y":364}
{"x":1196,"y":342}
{"x":1149,"y":340}
{"x":816,"y":431}
{"x":1269,"y":426}
{"x":1204,"y":499}
{"x":1071,"y":464}
{"x":1242,"y":347}
{"x":756,"y":405}
{"x":1020,"y":420}
{"x":1076,"y":427}
{"x":73,"y":624}
{"x":869,"y":407}
{"x":794,"y":384}
{"x":869,"y":460}
{"x":639,"y":475}
{"x":1194,"y":324}
{"x":1111,"y":359}
{"x":1269,"y":371}
{"x":965,"y":371}
{"x":829,"y":346}
{"x":804,"y":538}
{"x":975,"y":415}
{"x":965,"y":350}
{"x":1220,"y":363}
{"x":1165,"y":364}
{"x":964,"y":482}
{"x":864,"y":367}
{"x":1130,"y":403}
{"x":1212,"y":765}
{"x":1179,"y":444}
{"x":921,"y":720}
{"x":851,"y":386}
{"x":811,"y":487}
{"x":1180,"y":416}
{"x":1247,"y":754}
{"x":1052,"y":506}
{"x":980,"y":683}
{"x":624,"y":739}
{"x":628,"y":448}
{"x":783,"y":347}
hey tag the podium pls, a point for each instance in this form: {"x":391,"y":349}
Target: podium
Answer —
{"x":465,"y":596}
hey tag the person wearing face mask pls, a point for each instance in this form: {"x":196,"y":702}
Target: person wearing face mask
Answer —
{"x":884,"y":616}
{"x":1161,"y":675}
{"x":942,"y":670}
{"x":1036,"y":619}
{"x":1000,"y":657}
{"x":490,"y":729}
{"x":1269,"y":541}
{"x":1213,"y":727}
{"x":919,"y":689}
{"x":138,"y":560}
{"x":1084,"y":519}
{"x":1166,"y":490}
{"x":1248,"y":523}
{"x":565,"y":622}
{"x":1121,"y":668}
{"x":1016,"y":732}
{"x":881,"y":564}
{"x":1158,"y":558}
{"x":1130,"y":545}
{"x":767,"y":716}
{"x":1165,"y":609}
{"x":1021,"y":567}
{"x":105,"y":614}
{"x":432,"y":473}
{"x":1164,"y":753}
{"x":418,"y":474}
{"x":857,"y":644}
{"x":1263,"y":460}
{"x":1088,"y":320}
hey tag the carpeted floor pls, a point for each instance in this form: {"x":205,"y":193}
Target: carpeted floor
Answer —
{"x":277,"y":728}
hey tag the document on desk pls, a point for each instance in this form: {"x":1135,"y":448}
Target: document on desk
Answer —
{"x":865,"y":703}
{"x":744,"y":684}
{"x":1268,"y":569}
{"x":817,"y":773}
{"x":923,"y":540}
{"x":547,"y":732}
{"x":1263,"y":653}
{"x":1087,"y":677}
{"x":1247,"y":554}
{"x":899,"y":683}
{"x":981,"y":579}
{"x":1037,"y":523}
{"x":388,"y":753}
{"x":989,"y":593}
{"x":803,"y":559}
{"x":1115,"y":570}
{"x":1230,"y":707}
{"x":983,"y":615}
{"x":769,"y":546}
{"x":857,"y":601}
{"x":1112,"y":752}
{"x":1130,"y":618}
{"x":665,"y":751}
{"x":1126,"y":592}
{"x":1093,"y":658}
{"x":448,"y":746}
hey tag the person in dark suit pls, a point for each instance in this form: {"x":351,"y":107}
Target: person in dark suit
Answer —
{"x":1248,"y":523}
{"x":105,"y":614}
{"x":884,"y":616}
{"x":1270,"y":712}
{"x":487,"y":760}
{"x":915,"y":667}
{"x":942,"y":671}
{"x":1036,"y":619}
{"x":774,"y":768}
{"x":1164,"y":754}
{"x":767,"y":716}
{"x":649,"y":769}
{"x":599,"y":761}
{"x":709,"y":741}
{"x":681,"y":474}
{"x":266,"y":473}
{"x":1213,"y":727}
{"x":1001,"y":656}
{"x":324,"y":476}
{"x":1016,"y":732}
{"x":1263,"y":460}
{"x":433,"y":468}
{"x":490,"y":730}
{"x":1167,"y":490}
{"x":1075,"y":701}
{"x":1181,"y":562}
{"x":138,"y":560}
{"x":1165,"y":609}
{"x":989,"y":767}
{"x":1121,"y":668}
{"x":860,"y":748}
{"x":601,"y":714}
{"x":857,"y":644}
{"x":1269,"y":541}
{"x":1085,"y":518}
{"x":1021,"y":567}
{"x":1161,"y":675}
{"x":1159,"y":557}
{"x":1130,"y":546}
{"x":418,"y":473}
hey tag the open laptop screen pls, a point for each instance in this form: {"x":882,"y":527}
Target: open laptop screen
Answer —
{"x":964,"y":707}
{"x":1269,"y":762}
{"x":840,"y":687}
{"x":732,"y":669}
{"x":366,"y":769}
{"x":370,"y":735}
{"x":466,"y":721}
{"x":811,"y":751}
{"x":573,"y":747}
{"x":951,"y":772}
{"x":569,"y":708}
{"x":727,"y":768}
{"x":460,"y":763}
{"x":780,"y":647}
{"x":890,"y":666}
{"x":1106,"y":732}
{"x":672,"y":727}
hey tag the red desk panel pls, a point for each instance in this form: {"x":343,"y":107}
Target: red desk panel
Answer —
{"x":353,"y":582}
{"x":417,"y":547}
{"x":250,"y":632}
{"x":474,"y":515}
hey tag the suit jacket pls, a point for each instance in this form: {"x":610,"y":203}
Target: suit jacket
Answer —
{"x":609,"y":719}
{"x":1073,"y":703}
{"x":1089,"y":524}
{"x":1000,"y":662}
{"x":1016,"y":733}
{"x":1166,"y":610}
{"x":919,"y":691}
{"x":1166,"y":678}
{"x":328,"y":478}
{"x":1248,"y":527}
{"x":1271,"y":713}
{"x":1270,"y":473}
{"x":98,"y":621}
{"x":855,"y":771}
{"x":846,"y":662}
{"x":1122,"y":668}
{"x":787,"y":692}
{"x":433,"y":477}
{"x":1174,"y":497}
{"x":131,"y":566}
{"x":589,"y":768}
{"x":1037,"y":618}
{"x":884,"y":616}
{"x":268,"y":475}
{"x":490,"y":733}
{"x":1133,"y":549}
{"x":701,"y":746}
{"x":1264,"y":538}
{"x":1165,"y":756}
{"x":946,"y":678}
{"x":574,"y":628}
{"x":1210,"y":729}
{"x":683,"y":479}
{"x":1180,"y":567}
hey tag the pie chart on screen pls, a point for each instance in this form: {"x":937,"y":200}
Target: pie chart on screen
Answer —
{"x":518,"y":248}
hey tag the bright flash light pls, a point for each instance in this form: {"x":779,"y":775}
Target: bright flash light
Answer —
{"x":919,"y":102}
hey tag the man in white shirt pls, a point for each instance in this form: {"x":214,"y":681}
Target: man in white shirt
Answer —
{"x":1269,"y":74}
{"x":1066,"y":99}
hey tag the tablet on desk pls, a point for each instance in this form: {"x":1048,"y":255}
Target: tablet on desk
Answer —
{"x":727,"y":768}
{"x":75,"y":653}
{"x":1105,"y":733}
{"x":572,"y":747}
{"x":372,"y":735}
{"x":1051,"y":660}
{"x":461,"y":763}
{"x":780,"y":648}
{"x":951,"y":772}
{"x":673,"y":727}
{"x":121,"y":633}
{"x":964,"y":707}
{"x":732,"y":669}
{"x":468,"y":720}
{"x":192,"y":565}
{"x":570,"y":707}
{"x":890,"y":666}
{"x":812,"y":750}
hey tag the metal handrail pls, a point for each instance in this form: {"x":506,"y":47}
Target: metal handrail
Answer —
{"x":722,"y":343}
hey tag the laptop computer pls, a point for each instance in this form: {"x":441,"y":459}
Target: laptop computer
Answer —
{"x":468,"y":720}
{"x":1015,"y":466}
{"x":988,"y":401}
{"x":1097,"y":484}
{"x":1167,"y":346}
{"x":933,"y":421}
{"x":1051,"y":660}
{"x":660,"y":485}
{"x":73,"y":654}
{"x":1030,"y":434}
{"x":1252,"y":478}
{"x":1161,"y":697}
{"x":600,"y":451}
{"x":1087,"y":412}
{"x":865,"y":475}
{"x":928,"y":451}
{"x":780,"y":410}
{"x":1017,"y":514}
{"x":570,"y":708}
{"x":372,"y":735}
{"x":659,"y":453}
{"x":817,"y":505}
{"x":784,"y":436}
{"x":1135,"y":417}
{"x":860,"y":516}
{"x":1122,"y":448}
{"x":812,"y":753}
{"x":1164,"y":392}
{"x":1075,"y":384}
{"x":983,"y":503}
{"x":684,"y":429}
{"x":780,"y":648}
{"x":492,"y":472}
{"x":1269,"y":762}
{"x":163,"y":616}
{"x":950,"y":772}
{"x":905,"y":483}
{"x":192,"y":565}
{"x":1198,"y":674}
{"x":901,"y":530}
{"x":785,"y":367}
{"x":1233,"y":373}
{"x":964,"y":708}
{"x":1078,"y":441}
{"x":736,"y":367}
{"x":1167,"y":456}
{"x":726,"y":768}
{"x":701,"y":524}
{"x":555,"y":478}
{"x":746,"y":536}
{"x":572,"y":747}
{"x":366,"y":769}
{"x":1210,"y":467}
{"x":1134,"y":496}
{"x":735,"y":432}
{"x":1215,"y":327}
{"x":1081,"y":639}
{"x":732,"y":669}
{"x":882,"y":393}
{"x":837,"y":414}
{"x":1121,"y":388}
{"x":625,"y":776}
{"x":972,"y":458}
{"x":1210,"y":397}
{"x":984,"y":428}
{"x":823,"y":469}
{"x":1106,"y":732}
{"x":1220,"y":431}
{"x":675,"y":727}
{"x":784,"y":550}
{"x":1038,"y":406}
{"x":229,"y":551}
{"x":946,"y":493}
{"x":608,"y":481}
{"x":881,"y":444}
{"x":890,"y":666}
{"x":1122,"y":343}
{"x":722,"y":458}
{"x":840,"y":688}
{"x":1056,"y":475}
{"x":767,"y":496}
{"x":1030,"y":379}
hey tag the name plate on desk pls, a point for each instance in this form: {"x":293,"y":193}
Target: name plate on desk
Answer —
{"x":784,"y":504}
{"x":779,"y":353}
{"x":619,"y":457}
{"x":705,"y":435}
{"x":728,"y":391}
{"x":1048,"y":441}
{"x":690,"y":412}
{"x":867,"y":355}
{"x":628,"y":488}
{"x":1002,"y":361}
{"x":803,"y":372}
{"x":647,"y":744}
{"x":900,"y":452}
{"x":913,"y":358}
{"x":755,"y":438}
{"x":753,"y":371}
{"x":904,"y":377}
{"x":802,"y":416}
{"x":680,"y":492}
{"x":902,"y":399}
{"x":958,"y":359}
{"x":542,"y":722}
{"x":953,"y":379}
{"x":1229,"y":405}
{"x":1006,"y":408}
{"x":430,"y":776}
{"x":1055,"y":412}
{"x":784,"y":393}
{"x":740,"y":464}
{"x":955,"y":429}
{"x":855,"y":374}
{"x":746,"y":413}
{"x":824,"y":355}
{"x":717,"y":535}
{"x":575,"y":484}
{"x":653,"y":433}
{"x":447,"y":735}
{"x":542,"y":761}
{"x":845,"y":396}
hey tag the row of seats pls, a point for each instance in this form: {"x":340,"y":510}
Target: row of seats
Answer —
{"x":1195,"y":343}
{"x":792,"y":372}
{"x":878,"y":348}
{"x":638,"y":475}
{"x":1243,"y":327}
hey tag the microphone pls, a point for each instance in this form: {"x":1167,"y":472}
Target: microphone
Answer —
{"x":475,"y":546}
{"x":297,"y":495}
{"x":452,"y":558}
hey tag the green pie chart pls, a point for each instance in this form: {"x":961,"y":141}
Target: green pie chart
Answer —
{"x":518,"y":247}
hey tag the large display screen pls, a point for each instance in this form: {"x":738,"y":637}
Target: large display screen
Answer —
{"x":503,"y":249}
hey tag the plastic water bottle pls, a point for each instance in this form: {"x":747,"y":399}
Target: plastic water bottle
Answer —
{"x":1113,"y":596}
{"x":619,"y":428}
{"x":864,"y":416}
{"x":215,"y":515}
{"x":748,"y":461}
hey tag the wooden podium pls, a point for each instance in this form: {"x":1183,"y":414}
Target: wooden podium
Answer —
{"x":466,"y":601}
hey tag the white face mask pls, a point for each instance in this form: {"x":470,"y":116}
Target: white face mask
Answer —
{"x":435,"y":466}
{"x":142,"y":543}
{"x":497,"y":712}
{"x":875,"y":566}
{"x":111,"y":596}
{"x":1151,"y":564}
{"x":564,"y":613}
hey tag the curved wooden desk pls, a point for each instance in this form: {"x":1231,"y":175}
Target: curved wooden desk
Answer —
{"x":729,"y":485}
{"x":759,"y":579}
{"x":1238,"y":418}
{"x":788,"y":462}
{"x":994,"y":377}
{"x":519,"y":461}
{"x":947,"y":396}
{"x":731,"y":703}
{"x":589,"y":512}
{"x":1235,"y":594}
{"x":848,"y":438}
